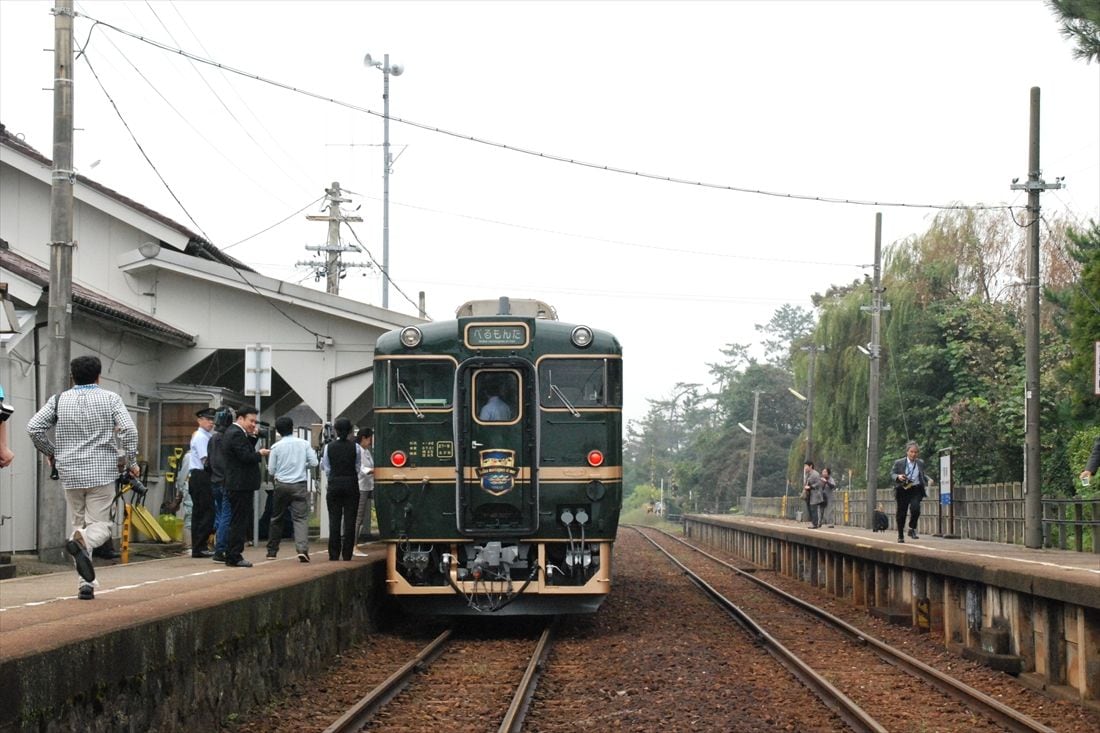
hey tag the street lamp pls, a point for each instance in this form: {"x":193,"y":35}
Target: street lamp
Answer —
{"x":387,"y":161}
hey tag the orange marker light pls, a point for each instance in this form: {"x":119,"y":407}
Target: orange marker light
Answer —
{"x":595,"y":458}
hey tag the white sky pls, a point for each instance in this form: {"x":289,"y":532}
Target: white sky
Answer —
{"x":916,"y":102}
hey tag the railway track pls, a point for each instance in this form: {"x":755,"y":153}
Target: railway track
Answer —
{"x":457,"y":682}
{"x":836,"y":660}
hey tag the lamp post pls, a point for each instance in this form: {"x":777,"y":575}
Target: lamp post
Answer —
{"x":387,"y":165}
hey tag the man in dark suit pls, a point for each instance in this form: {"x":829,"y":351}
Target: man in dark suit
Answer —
{"x":909,"y":484}
{"x":242,"y":479}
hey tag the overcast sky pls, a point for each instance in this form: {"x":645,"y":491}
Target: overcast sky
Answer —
{"x":902,"y":102}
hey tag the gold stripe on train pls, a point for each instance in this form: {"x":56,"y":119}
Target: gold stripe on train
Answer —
{"x":447,"y":473}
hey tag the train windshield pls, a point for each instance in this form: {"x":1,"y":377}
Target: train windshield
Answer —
{"x":419,"y":384}
{"x":574,"y":383}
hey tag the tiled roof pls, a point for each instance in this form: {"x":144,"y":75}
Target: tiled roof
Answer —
{"x":197,"y":246}
{"x":95,"y":303}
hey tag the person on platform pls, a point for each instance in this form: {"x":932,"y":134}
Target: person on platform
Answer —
{"x":223,"y":418}
{"x":289,"y":464}
{"x":198,"y":485}
{"x":242,"y":480}
{"x":341,"y":462}
{"x":828,"y":490}
{"x":909,"y":488}
{"x":86,"y":420}
{"x":1093,"y":463}
{"x":365,"y":436}
{"x":812,"y":493}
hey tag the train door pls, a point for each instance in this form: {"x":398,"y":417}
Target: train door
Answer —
{"x":499,"y":494}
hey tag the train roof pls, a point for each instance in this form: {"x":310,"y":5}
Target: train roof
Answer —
{"x":505,"y":306}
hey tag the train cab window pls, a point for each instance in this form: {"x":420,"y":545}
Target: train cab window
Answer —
{"x":420,"y":385}
{"x":496,"y":396}
{"x":573,"y":383}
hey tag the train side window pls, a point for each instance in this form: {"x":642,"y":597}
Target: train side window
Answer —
{"x":427,"y":384}
{"x":580,"y":382}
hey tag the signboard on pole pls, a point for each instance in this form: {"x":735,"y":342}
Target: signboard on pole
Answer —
{"x":257,"y":370}
{"x":1096,"y":368}
{"x":945,"y":479}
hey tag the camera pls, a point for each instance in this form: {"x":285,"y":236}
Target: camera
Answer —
{"x":5,"y":411}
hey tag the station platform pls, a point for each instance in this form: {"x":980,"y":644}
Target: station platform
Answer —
{"x":1031,"y":612}
{"x":176,"y":642}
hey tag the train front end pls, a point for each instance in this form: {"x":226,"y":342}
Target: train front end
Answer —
{"x":498,"y":454}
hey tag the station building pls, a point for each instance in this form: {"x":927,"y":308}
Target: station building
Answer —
{"x":171,"y":317}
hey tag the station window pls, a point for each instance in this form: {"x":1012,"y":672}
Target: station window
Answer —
{"x":425,"y":384}
{"x":580,"y":382}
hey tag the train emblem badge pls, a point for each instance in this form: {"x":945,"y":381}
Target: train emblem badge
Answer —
{"x":498,"y":470}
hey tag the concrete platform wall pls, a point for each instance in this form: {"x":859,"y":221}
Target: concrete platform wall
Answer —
{"x":194,"y":670}
{"x":1047,"y":633}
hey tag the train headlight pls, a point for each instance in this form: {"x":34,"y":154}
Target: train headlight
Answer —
{"x":398,"y":459}
{"x":595,"y":458}
{"x":595,"y":490}
{"x":582,"y":337}
{"x":411,"y":337}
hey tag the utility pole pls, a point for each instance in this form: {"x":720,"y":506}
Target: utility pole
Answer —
{"x":333,"y":268}
{"x":876,"y":308}
{"x":1033,"y":498}
{"x":50,"y":506}
{"x":812,"y":349}
{"x":752,"y":452}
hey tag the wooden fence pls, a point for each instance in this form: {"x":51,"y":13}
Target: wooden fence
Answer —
{"x":991,"y":512}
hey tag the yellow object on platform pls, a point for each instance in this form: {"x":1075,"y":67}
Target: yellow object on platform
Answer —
{"x":147,"y":525}
{"x":172,"y":526}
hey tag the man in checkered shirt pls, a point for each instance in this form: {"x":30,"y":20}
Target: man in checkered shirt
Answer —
{"x":85,"y":420}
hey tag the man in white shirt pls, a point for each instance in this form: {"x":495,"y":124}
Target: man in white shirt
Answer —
{"x":289,"y":463}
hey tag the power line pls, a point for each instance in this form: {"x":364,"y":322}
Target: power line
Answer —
{"x":536,"y":153}
{"x":381,"y":269}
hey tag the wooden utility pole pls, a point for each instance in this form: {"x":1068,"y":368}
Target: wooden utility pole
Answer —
{"x":1033,"y":496}
{"x":874,"y":353}
{"x":59,"y":318}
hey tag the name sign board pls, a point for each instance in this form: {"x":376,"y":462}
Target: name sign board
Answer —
{"x":496,"y":335}
{"x":945,"y":479}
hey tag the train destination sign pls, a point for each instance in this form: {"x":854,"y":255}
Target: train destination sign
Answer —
{"x":496,"y":335}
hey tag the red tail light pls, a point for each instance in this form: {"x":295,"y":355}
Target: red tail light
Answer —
{"x":398,"y":458}
{"x":595,"y":458}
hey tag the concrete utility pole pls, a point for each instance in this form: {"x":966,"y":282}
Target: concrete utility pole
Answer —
{"x":334,"y":267}
{"x":812,"y":349}
{"x":51,"y":504}
{"x":1033,"y":498}
{"x":752,"y":451}
{"x":876,"y":308}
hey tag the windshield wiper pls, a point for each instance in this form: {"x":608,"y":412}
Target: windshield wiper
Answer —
{"x":554,"y":390}
{"x":404,"y":392}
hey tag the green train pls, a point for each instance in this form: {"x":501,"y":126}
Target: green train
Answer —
{"x":498,"y":461}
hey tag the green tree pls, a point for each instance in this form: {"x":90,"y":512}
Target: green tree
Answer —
{"x":1081,"y":24}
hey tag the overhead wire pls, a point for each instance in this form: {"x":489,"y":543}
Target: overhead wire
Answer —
{"x":217,"y":96}
{"x":536,"y":153}
{"x":381,"y":269}
{"x":268,"y":229}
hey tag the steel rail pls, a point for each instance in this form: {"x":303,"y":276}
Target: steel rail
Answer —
{"x":853,"y":715}
{"x":359,"y":714}
{"x":994,"y":710}
{"x":521,"y":702}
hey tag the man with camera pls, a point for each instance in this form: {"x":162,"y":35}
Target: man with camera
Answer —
{"x":909,"y":484}
{"x":83,"y":454}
